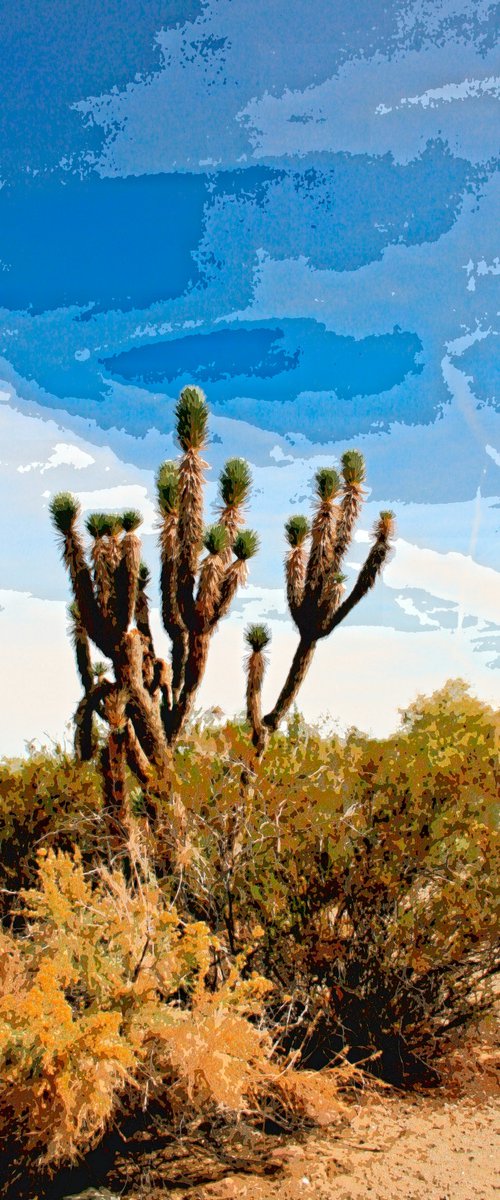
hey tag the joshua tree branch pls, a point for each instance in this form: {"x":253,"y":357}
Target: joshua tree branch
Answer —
{"x":82,"y":648}
{"x":300,"y":665}
{"x":81,"y":579}
{"x":83,"y":718}
{"x":368,"y":573}
{"x":257,"y":637}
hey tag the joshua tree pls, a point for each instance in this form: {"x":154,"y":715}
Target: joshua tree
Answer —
{"x":315,"y":584}
{"x":145,"y":701}
{"x":148,"y":701}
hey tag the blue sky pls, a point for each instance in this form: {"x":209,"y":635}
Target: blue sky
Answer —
{"x":294,"y":204}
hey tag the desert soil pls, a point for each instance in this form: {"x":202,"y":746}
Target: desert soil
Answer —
{"x":443,"y":1145}
{"x":406,"y":1150}
{"x":440,"y":1145}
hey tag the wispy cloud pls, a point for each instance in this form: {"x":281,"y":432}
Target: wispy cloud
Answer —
{"x":475,"y":589}
{"x":467,"y":89}
{"x":63,"y":455}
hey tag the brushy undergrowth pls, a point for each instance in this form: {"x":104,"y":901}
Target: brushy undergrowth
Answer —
{"x":337,"y":898}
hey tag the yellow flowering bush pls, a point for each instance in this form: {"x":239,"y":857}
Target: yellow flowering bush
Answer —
{"x":108,"y":993}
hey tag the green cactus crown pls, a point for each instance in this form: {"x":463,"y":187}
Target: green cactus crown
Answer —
{"x":257,"y":637}
{"x":353,"y":468}
{"x":103,"y":524}
{"x":327,"y":483}
{"x":235,"y":483}
{"x":130,"y":520}
{"x":246,"y":544}
{"x":297,"y":528}
{"x":167,"y":485}
{"x":64,"y":510}
{"x":215,"y":539}
{"x":191,"y":415}
{"x":385,"y":524}
{"x":144,"y":576}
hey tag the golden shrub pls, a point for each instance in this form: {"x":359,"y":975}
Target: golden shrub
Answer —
{"x":106,"y":995}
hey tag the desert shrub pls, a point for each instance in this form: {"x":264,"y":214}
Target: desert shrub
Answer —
{"x":47,"y":798}
{"x":369,"y":869}
{"x":110,"y":1000}
{"x":109,"y":993}
{"x":373,"y":869}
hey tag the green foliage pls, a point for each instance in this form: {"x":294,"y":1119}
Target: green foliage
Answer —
{"x":384,"y":525}
{"x":235,"y":483}
{"x":64,"y":510}
{"x":258,"y":637}
{"x":374,"y":869}
{"x":216,"y":539}
{"x":246,"y":544}
{"x":100,"y":524}
{"x":353,"y":467}
{"x":191,"y":415}
{"x":297,"y":529}
{"x":167,"y":484}
{"x":130,"y":520}
{"x":97,"y":525}
{"x":327,"y":483}
{"x":144,"y":576}
{"x":45,"y":799}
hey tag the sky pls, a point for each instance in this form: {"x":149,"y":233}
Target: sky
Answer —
{"x":294,"y":205}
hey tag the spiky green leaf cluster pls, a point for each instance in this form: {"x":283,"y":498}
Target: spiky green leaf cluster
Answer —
{"x":99,"y":669}
{"x":235,"y":483}
{"x":167,"y":484}
{"x":103,"y":524}
{"x":130,"y":520}
{"x":246,"y":544}
{"x":191,"y":415}
{"x":385,"y":524}
{"x":97,"y":524}
{"x":144,"y":576}
{"x":327,"y":483}
{"x":353,"y":468}
{"x":297,"y":528}
{"x":215,"y":539}
{"x":257,"y":637}
{"x":64,"y":510}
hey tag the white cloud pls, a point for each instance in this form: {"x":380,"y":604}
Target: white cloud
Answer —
{"x":410,"y":608}
{"x":473,"y":588}
{"x":126,"y":495}
{"x":467,"y":89}
{"x":490,"y":450}
{"x":64,"y":455}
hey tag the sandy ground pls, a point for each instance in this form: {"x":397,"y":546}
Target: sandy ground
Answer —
{"x":409,"y":1150}
{"x":439,"y":1146}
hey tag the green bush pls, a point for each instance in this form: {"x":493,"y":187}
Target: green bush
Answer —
{"x":45,"y":799}
{"x":372,"y":867}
